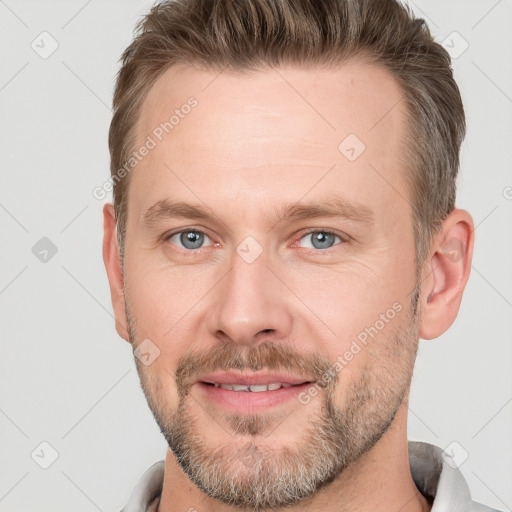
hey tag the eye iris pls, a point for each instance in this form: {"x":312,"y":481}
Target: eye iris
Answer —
{"x":191,"y":239}
{"x":321,"y":239}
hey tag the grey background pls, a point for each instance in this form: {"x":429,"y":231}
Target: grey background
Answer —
{"x":67,"y":379}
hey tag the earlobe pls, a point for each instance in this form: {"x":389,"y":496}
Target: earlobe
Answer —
{"x":446,"y":273}
{"x":112,"y":263}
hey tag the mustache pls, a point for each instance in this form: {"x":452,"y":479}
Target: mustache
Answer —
{"x":271,"y":356}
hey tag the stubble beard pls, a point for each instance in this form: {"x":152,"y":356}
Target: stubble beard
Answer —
{"x":248,"y":471}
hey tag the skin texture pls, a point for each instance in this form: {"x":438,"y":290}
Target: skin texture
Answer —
{"x":253,"y":144}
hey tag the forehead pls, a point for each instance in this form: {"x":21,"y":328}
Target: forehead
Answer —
{"x":271,"y":134}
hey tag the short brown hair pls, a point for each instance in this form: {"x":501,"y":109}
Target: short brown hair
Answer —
{"x":254,"y":34}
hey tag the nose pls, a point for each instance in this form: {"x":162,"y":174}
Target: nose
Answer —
{"x":250,"y":305}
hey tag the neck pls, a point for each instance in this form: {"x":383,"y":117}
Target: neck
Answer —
{"x":380,"y":480}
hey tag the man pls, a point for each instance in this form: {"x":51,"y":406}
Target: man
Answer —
{"x":283,"y":231}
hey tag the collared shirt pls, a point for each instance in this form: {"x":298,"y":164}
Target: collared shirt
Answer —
{"x":435,"y":474}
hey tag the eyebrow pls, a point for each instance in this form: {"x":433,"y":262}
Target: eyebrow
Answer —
{"x":328,"y":208}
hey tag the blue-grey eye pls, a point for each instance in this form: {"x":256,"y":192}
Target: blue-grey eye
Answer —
{"x":320,"y":239}
{"x":189,"y":239}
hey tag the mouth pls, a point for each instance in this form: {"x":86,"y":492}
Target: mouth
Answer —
{"x":255,"y":388}
{"x":251,"y":393}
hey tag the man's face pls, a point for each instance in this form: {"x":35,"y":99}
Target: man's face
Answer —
{"x":261,"y":291}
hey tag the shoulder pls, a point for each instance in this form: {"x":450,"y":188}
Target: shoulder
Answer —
{"x":148,"y":488}
{"x":438,"y":477}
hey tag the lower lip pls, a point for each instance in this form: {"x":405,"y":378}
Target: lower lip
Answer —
{"x":248,"y":401}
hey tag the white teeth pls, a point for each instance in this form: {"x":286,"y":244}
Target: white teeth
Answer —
{"x":240,"y":387}
{"x":255,"y":388}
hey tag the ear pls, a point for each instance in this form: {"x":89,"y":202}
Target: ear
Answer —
{"x":445,"y":274}
{"x":112,"y":262}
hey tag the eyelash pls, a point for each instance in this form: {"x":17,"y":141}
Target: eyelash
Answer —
{"x":167,"y":237}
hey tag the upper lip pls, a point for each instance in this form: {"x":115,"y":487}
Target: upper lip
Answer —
{"x":249,"y":379}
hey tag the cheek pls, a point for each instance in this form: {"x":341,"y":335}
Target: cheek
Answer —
{"x":163,"y":296}
{"x":162,"y":306}
{"x":360,"y":307}
{"x":159,"y":385}
{"x":378,"y":361}
{"x":348,"y":298}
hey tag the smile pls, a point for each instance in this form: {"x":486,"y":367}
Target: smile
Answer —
{"x":254,"y":388}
